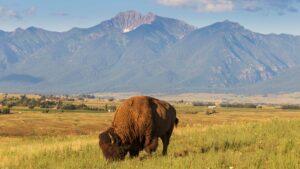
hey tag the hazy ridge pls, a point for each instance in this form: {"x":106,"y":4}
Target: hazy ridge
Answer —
{"x":149,"y":53}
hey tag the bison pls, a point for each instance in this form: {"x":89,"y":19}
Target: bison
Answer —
{"x":137,"y":125}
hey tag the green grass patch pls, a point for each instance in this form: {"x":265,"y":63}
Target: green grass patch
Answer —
{"x":273,"y":144}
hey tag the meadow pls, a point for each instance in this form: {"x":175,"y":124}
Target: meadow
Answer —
{"x":232,"y":138}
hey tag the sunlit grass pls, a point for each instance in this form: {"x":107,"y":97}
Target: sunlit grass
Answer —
{"x":274,"y":144}
{"x":231,"y":138}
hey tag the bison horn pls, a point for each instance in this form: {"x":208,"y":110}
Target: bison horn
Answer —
{"x":111,"y":138}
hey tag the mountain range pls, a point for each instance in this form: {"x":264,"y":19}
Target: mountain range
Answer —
{"x":149,"y":53}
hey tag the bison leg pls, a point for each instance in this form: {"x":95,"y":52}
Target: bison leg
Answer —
{"x":134,"y":152}
{"x":166,"y":140}
{"x":152,"y":146}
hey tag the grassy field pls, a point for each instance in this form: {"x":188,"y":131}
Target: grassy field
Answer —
{"x":231,"y":138}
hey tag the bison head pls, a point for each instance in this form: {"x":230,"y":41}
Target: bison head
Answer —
{"x":111,"y":145}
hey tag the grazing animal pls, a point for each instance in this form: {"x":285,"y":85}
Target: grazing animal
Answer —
{"x":137,"y":125}
{"x":212,"y":107}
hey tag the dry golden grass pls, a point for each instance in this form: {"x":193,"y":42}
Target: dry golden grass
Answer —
{"x":36,"y":123}
{"x":25,"y":122}
{"x":233,"y":137}
{"x":286,"y":98}
{"x":273,"y":144}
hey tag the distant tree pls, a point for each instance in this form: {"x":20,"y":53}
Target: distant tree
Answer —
{"x":23,"y":100}
{"x":290,"y":106}
{"x":111,"y":99}
{"x":46,"y":111}
{"x":59,"y":105}
{"x":31,"y":107}
{"x":239,"y":105}
{"x":42,"y":98}
{"x":111,"y":108}
{"x":10,"y":104}
{"x":105,"y":107}
{"x":48,"y":104}
{"x":69,"y":107}
{"x":5,"y":110}
{"x":203,"y":104}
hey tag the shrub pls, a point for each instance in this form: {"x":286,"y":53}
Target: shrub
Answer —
{"x":46,"y":111}
{"x":239,"y":105}
{"x":11,"y":104}
{"x":5,"y":110}
{"x":203,"y":104}
{"x":48,"y":104}
{"x":69,"y":107}
{"x":295,"y":107}
{"x":111,"y":99}
{"x":82,"y":107}
{"x":87,"y":96}
{"x":31,"y":107}
{"x":190,"y":112}
{"x":111,"y":108}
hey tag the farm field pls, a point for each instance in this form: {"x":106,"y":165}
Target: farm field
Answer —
{"x":230,"y":138}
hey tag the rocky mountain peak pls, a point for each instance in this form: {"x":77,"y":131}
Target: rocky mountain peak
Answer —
{"x":130,"y":20}
{"x":226,"y":25}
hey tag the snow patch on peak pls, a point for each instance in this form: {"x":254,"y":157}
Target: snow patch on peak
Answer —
{"x":126,"y":30}
{"x":130,"y":20}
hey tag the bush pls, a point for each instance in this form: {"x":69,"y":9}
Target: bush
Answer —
{"x":295,"y":107}
{"x":87,"y":96}
{"x":46,"y":111}
{"x":69,"y":107}
{"x":31,"y":107}
{"x":82,"y":107}
{"x":239,"y":105}
{"x":48,"y":104}
{"x":110,"y":108}
{"x":203,"y":104}
{"x":5,"y":110}
{"x":111,"y":99}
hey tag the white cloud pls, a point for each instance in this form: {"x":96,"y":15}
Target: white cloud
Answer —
{"x":31,"y":11}
{"x":8,"y":13}
{"x":279,"y":6}
{"x":201,"y":5}
{"x":217,"y":6}
{"x":60,"y":14}
{"x":174,"y":2}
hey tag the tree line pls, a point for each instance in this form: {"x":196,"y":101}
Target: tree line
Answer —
{"x":47,"y":103}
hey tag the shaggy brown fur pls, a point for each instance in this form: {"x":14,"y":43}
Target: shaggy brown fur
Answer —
{"x":137,"y":125}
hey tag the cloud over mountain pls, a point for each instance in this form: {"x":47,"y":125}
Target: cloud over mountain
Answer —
{"x":201,"y":5}
{"x":8,"y":13}
{"x":278,"y":6}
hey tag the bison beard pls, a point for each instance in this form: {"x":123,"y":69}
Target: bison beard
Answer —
{"x":137,"y":125}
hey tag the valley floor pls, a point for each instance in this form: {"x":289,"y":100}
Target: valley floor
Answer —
{"x":232,"y":138}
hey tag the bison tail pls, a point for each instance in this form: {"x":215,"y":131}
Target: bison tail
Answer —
{"x":176,"y":122}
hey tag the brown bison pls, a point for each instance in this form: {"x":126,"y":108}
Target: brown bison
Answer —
{"x":137,"y":125}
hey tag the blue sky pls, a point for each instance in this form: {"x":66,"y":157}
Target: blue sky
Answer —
{"x":264,"y":16}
